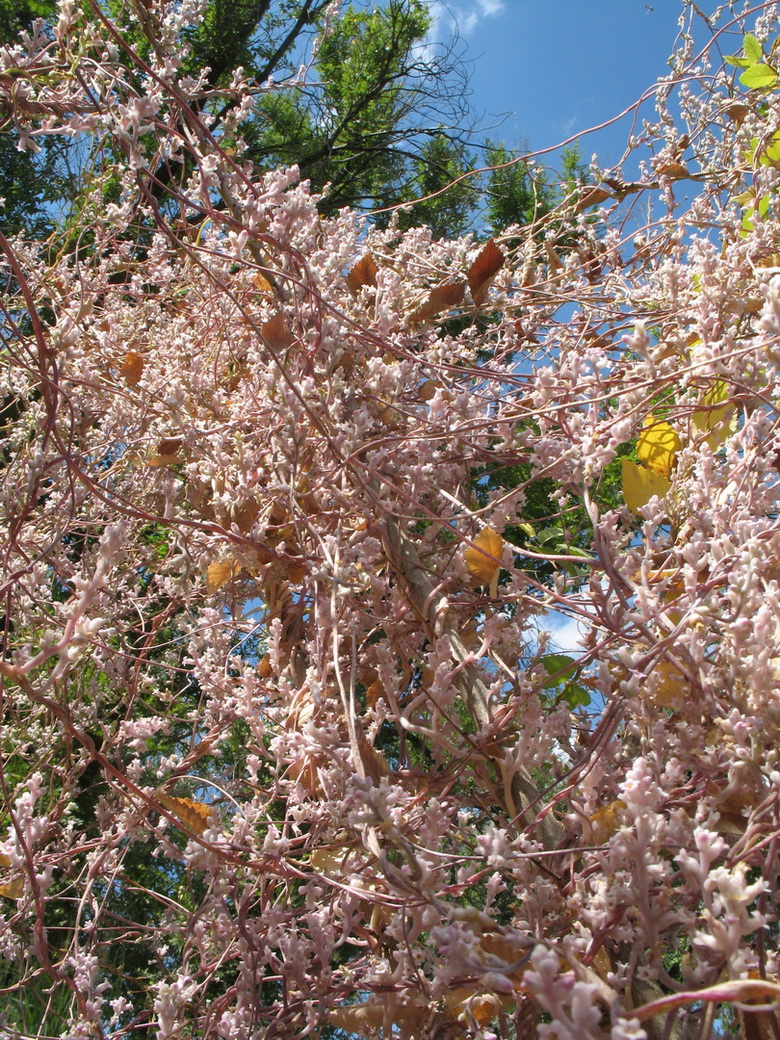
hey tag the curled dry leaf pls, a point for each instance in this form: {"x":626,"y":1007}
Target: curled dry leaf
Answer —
{"x":673,"y":171}
{"x":276,"y":333}
{"x":262,"y":284}
{"x":132,"y":368}
{"x":672,"y":689}
{"x":439,"y":299}
{"x":484,"y":270}
{"x":427,"y":389}
{"x":13,"y":889}
{"x":196,"y":816}
{"x":168,"y":452}
{"x":594,"y":197}
{"x":605,"y":821}
{"x":363,"y":273}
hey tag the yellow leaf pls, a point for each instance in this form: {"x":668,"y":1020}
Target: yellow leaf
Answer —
{"x":657,"y":446}
{"x":672,"y":689}
{"x":13,"y":889}
{"x":196,"y":816}
{"x":483,"y":558}
{"x":220,"y":573}
{"x":604,"y":822}
{"x":715,"y":419}
{"x":641,"y":484}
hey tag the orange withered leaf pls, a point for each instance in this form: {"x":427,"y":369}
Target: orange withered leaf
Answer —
{"x":439,"y":299}
{"x":276,"y":333}
{"x":483,"y":558}
{"x":363,"y":273}
{"x":483,"y":271}
{"x":262,"y":284}
{"x":196,"y":816}
{"x":167,"y":452}
{"x":673,"y":171}
{"x":219,"y":573}
{"x":132,"y":368}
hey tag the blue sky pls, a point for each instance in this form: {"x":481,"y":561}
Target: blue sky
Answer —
{"x":547,"y":69}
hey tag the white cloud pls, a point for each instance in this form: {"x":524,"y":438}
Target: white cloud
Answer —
{"x":461,"y":17}
{"x":566,"y":632}
{"x":491,"y":6}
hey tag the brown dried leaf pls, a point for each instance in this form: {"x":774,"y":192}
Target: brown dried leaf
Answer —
{"x":673,"y":171}
{"x":363,"y":273}
{"x":374,"y":691}
{"x":276,"y":333}
{"x":602,"y":963}
{"x":244,"y":517}
{"x":483,"y":271}
{"x":737,"y":112}
{"x":427,"y":389}
{"x":672,"y":689}
{"x":262,"y":284}
{"x":604,"y":822}
{"x":167,"y":452}
{"x":554,"y":261}
{"x":482,"y":1007}
{"x":594,"y":197}
{"x":483,"y":558}
{"x":439,"y":299}
{"x":132,"y":368}
{"x":196,"y":816}
{"x":365,"y":1019}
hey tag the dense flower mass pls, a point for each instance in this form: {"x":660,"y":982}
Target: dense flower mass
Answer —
{"x":288,"y":504}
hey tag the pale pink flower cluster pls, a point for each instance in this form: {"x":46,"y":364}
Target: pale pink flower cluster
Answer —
{"x":276,"y":736}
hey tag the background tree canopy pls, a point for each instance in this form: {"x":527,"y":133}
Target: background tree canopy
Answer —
{"x":377,"y":114}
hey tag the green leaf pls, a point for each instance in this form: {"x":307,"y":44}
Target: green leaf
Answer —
{"x":576,"y":696}
{"x":759,"y":77}
{"x":549,"y":535}
{"x":752,"y":49}
{"x":559,"y":667}
{"x":741,"y":63}
{"x":773,"y":150}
